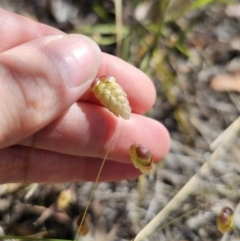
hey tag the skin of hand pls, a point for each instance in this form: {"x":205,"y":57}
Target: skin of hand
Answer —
{"x":45,"y":77}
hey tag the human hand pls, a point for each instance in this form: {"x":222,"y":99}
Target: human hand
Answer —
{"x":45,"y":76}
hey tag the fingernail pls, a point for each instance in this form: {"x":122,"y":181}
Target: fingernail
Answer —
{"x":77,"y":58}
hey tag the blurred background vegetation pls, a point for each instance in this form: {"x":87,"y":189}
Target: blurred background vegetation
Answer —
{"x":190,"y":49}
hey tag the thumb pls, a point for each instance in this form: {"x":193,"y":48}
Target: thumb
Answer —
{"x":40,"y":79}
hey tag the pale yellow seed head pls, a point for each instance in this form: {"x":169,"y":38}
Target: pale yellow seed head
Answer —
{"x":112,"y":96}
{"x":64,"y":199}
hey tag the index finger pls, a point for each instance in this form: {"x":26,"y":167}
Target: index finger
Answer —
{"x":17,"y":30}
{"x":137,"y":85}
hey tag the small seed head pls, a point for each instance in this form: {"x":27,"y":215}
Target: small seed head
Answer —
{"x":64,"y":199}
{"x":225,"y":220}
{"x":141,"y":158}
{"x":112,"y":96}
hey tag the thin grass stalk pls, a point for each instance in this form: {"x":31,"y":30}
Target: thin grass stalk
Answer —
{"x":30,"y":158}
{"x":91,"y":195}
{"x":119,"y":26}
{"x":149,"y":54}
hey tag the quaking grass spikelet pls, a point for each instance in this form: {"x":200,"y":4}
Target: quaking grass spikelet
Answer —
{"x":225,"y":220}
{"x":83,"y":224}
{"x":112,"y":96}
{"x":64,"y":199}
{"x":141,"y":158}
